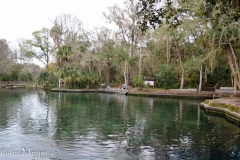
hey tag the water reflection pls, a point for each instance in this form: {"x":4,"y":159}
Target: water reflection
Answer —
{"x":108,"y":126}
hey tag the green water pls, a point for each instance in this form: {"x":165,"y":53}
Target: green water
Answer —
{"x":64,"y":126}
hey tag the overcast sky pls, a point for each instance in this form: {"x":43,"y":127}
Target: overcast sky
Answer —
{"x":19,"y":18}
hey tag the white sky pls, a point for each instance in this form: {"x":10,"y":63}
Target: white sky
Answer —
{"x":19,"y":18}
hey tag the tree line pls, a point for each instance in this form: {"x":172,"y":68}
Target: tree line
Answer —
{"x":183,"y":44}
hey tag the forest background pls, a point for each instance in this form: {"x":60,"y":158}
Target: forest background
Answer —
{"x":181,"y":43}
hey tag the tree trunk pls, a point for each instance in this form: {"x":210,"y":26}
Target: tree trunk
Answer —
{"x":181,"y":65}
{"x":182,"y":70}
{"x":108,"y":73}
{"x":182,"y":77}
{"x":232,"y":61}
{"x":235,"y":88}
{"x":140,"y":87}
{"x":200,"y":80}
{"x":59,"y":83}
{"x":126,"y":73}
{"x":140,"y":67}
{"x":168,"y":51}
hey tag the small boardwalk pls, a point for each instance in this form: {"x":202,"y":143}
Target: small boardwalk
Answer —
{"x":13,"y":84}
{"x":101,"y":90}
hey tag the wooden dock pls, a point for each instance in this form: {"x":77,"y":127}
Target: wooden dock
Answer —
{"x":12,"y":84}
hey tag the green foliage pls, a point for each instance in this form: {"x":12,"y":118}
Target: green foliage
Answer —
{"x":151,"y":16}
{"x":222,"y":12}
{"x":42,"y":77}
{"x":64,"y":50}
{"x":82,"y":48}
{"x":81,"y":81}
{"x":122,"y":55}
{"x":50,"y":78}
{"x":166,"y":77}
{"x":70,"y":74}
{"x":192,"y":72}
{"x":138,"y":81}
{"x":231,"y":107}
{"x":15,"y":75}
{"x":93,"y":79}
{"x":187,"y":36}
{"x":133,"y":60}
{"x":191,"y":79}
{"x":75,"y":79}
{"x":4,"y":77}
{"x":38,"y":47}
{"x":26,"y":76}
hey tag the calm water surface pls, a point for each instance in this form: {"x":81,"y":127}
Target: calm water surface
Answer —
{"x":64,"y":126}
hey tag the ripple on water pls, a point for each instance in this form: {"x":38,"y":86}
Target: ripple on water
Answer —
{"x":76,"y":126}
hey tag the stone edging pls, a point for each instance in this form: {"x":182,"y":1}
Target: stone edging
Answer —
{"x":229,"y":115}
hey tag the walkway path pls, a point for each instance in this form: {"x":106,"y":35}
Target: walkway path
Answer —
{"x":184,"y":93}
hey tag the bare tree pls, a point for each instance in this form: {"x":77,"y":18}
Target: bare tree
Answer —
{"x":71,"y":44}
{"x":6,"y":56}
{"x":126,"y":21}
